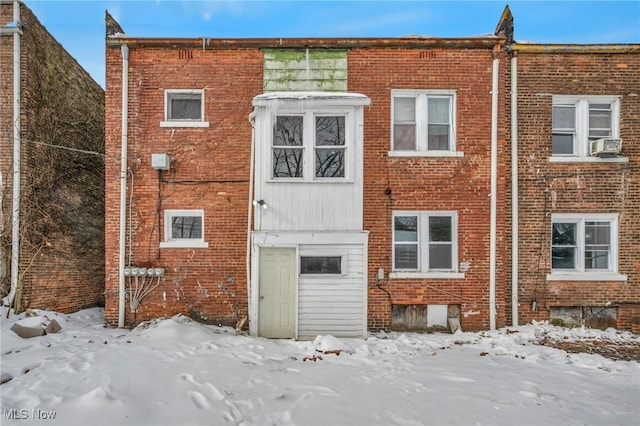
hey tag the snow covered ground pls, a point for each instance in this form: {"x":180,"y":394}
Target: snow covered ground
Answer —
{"x":179,"y":372}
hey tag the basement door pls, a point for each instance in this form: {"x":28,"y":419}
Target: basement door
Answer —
{"x":277,"y":286}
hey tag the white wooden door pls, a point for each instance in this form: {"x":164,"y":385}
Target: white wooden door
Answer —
{"x":277,"y":286}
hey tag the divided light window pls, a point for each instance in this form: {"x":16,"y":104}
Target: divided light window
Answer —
{"x":423,"y":120}
{"x":583,"y":243}
{"x":578,"y":120}
{"x":297,"y":136}
{"x":424,"y":241}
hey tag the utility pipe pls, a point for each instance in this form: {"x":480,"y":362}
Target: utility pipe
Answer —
{"x":514,"y":190}
{"x":252,"y":120}
{"x":494,"y":190}
{"x":15,"y":218}
{"x":123,"y":184}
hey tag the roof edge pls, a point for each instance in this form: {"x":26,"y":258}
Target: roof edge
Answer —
{"x":576,"y":48}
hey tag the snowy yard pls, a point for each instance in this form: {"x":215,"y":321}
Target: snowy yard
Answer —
{"x":179,"y":372}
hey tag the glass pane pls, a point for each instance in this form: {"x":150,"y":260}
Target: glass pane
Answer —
{"x":563,"y":258}
{"x":406,"y":256}
{"x":186,"y":227}
{"x":288,"y":131}
{"x":440,"y":256}
{"x":564,"y":234}
{"x":438,"y":110}
{"x":562,"y":144}
{"x":438,"y":137}
{"x":321,"y":265}
{"x":287,"y":162}
{"x":404,"y":110}
{"x":329,"y":162}
{"x":564,"y":117}
{"x":405,"y":228}
{"x":597,"y":233}
{"x":596,"y":257}
{"x":184,"y":108}
{"x":404,"y":137}
{"x":439,"y":228}
{"x":330,"y":131}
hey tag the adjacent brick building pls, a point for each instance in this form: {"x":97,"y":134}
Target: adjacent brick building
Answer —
{"x":56,"y":115}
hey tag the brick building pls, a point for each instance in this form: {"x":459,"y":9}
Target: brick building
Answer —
{"x":51,"y":142}
{"x":576,"y":135}
{"x":310,"y":186}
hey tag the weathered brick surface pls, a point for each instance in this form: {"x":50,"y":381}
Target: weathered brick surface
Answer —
{"x":62,"y":199}
{"x":547,"y":188}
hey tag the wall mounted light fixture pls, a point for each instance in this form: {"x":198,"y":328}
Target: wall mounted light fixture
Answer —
{"x":260,"y":203}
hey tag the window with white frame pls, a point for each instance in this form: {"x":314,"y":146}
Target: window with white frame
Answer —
{"x":184,"y":228}
{"x":321,"y":265}
{"x":578,"y":121}
{"x":584,"y":243}
{"x":424,"y":241}
{"x":310,"y":146}
{"x":184,"y":108}
{"x":423,"y":121}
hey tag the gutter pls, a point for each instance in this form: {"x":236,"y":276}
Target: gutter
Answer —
{"x":123,"y":185}
{"x":514,"y":191}
{"x":575,"y":48}
{"x":494,"y":190}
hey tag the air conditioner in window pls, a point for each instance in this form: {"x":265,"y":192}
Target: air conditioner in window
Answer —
{"x":605,"y":146}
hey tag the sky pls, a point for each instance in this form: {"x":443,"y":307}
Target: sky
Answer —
{"x":175,"y":371}
{"x":79,"y":25}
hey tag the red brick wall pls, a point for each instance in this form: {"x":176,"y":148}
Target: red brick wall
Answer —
{"x":213,"y":164}
{"x":547,"y":188}
{"x":460,"y":184}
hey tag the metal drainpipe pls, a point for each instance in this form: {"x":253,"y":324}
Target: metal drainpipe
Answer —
{"x":252,"y":120}
{"x":15,"y":219}
{"x":514,"y":191}
{"x":494,"y":189}
{"x":123,"y":185}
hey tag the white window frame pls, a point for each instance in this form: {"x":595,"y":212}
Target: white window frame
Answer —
{"x":423,"y":271}
{"x":580,"y":273}
{"x":581,"y":128}
{"x":323,"y":253}
{"x":169,"y":122}
{"x":170,"y":242}
{"x":421,"y":123}
{"x":309,"y":143}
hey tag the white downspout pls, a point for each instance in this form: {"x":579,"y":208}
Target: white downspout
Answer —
{"x":252,"y":118}
{"x":514,"y":190}
{"x":123,"y":185}
{"x":15,"y":218}
{"x":494,"y":190}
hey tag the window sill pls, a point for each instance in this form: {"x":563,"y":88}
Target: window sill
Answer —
{"x":184,"y":244}
{"x":432,"y":154}
{"x":578,"y":159}
{"x":310,"y":181}
{"x":184,"y":124}
{"x":428,"y":275}
{"x":586,"y":276}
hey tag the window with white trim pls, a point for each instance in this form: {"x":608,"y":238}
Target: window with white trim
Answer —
{"x":310,"y":146}
{"x":425,"y":241}
{"x":324,"y":265}
{"x":423,"y":121}
{"x":184,"y":228}
{"x":577,"y":121}
{"x":184,"y":108}
{"x":584,"y":243}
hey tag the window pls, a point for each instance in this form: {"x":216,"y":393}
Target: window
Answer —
{"x":184,"y":228}
{"x":321,"y":265}
{"x":325,"y":137}
{"x":424,"y":241}
{"x":423,"y":122}
{"x":584,"y":243}
{"x":184,"y":108}
{"x":579,"y":120}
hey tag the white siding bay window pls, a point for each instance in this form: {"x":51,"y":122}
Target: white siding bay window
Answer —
{"x":584,"y":247}
{"x":425,"y":244}
{"x":423,"y":123}
{"x":584,"y":126}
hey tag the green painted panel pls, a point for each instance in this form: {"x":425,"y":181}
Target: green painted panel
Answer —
{"x":305,"y":70}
